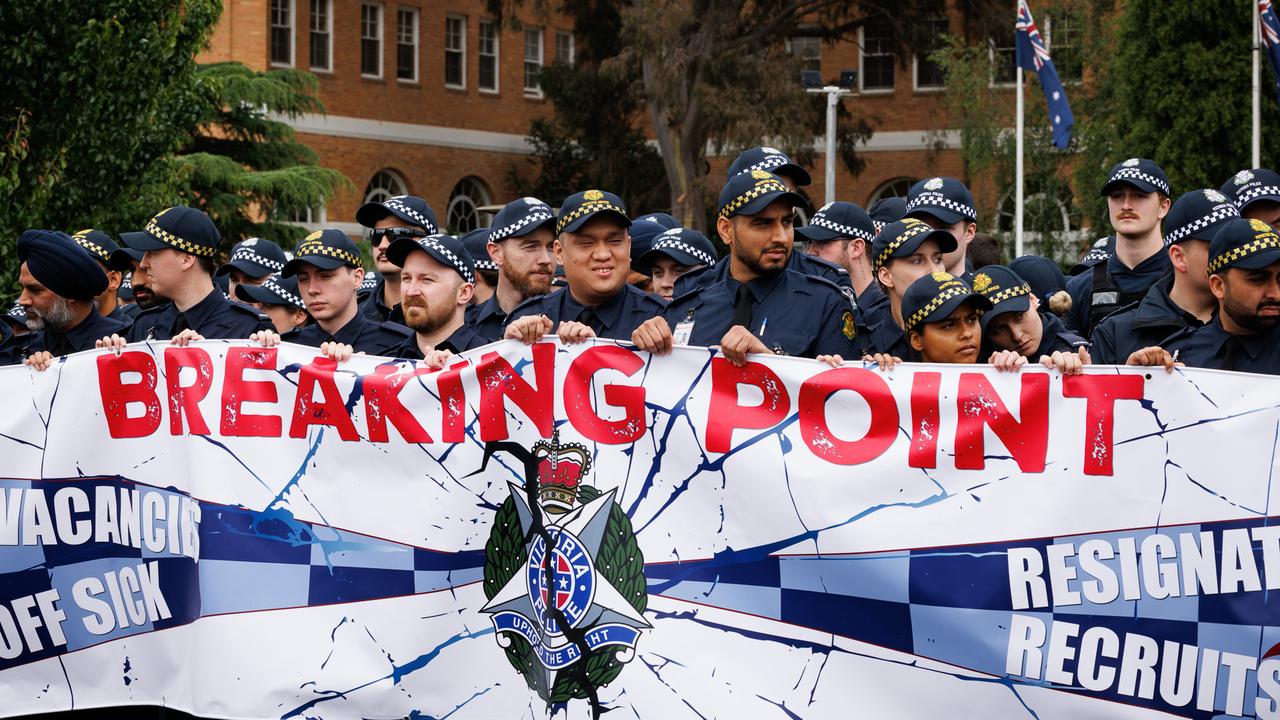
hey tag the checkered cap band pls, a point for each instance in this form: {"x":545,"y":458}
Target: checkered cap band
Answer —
{"x":769,"y":162}
{"x":955,"y":291}
{"x":916,"y":228}
{"x":422,"y":220}
{"x":1008,"y":293}
{"x":1136,"y":174}
{"x":176,"y":242}
{"x":1268,"y":241}
{"x":589,"y":207}
{"x":764,"y":187}
{"x":247,"y":253}
{"x":431,"y":244}
{"x":878,"y":225}
{"x":95,"y":250}
{"x":274,"y":286}
{"x":315,"y":247}
{"x":675,"y":243}
{"x":1247,"y":196}
{"x":823,"y":221}
{"x":935,"y":199}
{"x":537,"y":217}
{"x":1221,"y":212}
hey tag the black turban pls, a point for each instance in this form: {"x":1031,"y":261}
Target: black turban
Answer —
{"x":58,"y":263}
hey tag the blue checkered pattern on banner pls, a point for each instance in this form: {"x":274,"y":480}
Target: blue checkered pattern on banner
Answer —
{"x":248,"y":561}
{"x":954,"y":605}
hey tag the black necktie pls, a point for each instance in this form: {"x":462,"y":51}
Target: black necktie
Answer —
{"x":180,"y":324}
{"x":1234,"y":347}
{"x":742,"y":307}
{"x":587,"y":317}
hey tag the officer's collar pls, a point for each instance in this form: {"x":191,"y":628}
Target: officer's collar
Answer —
{"x":489,"y":308}
{"x":350,"y":333}
{"x":459,"y":340}
{"x":1156,"y":262}
{"x":1254,"y":345}
{"x":202,"y":311}
{"x":760,"y":286}
{"x":608,"y":311}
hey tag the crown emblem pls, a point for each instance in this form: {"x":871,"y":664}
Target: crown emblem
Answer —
{"x":1259,"y":225}
{"x":1215,"y":196}
{"x":761,"y":174}
{"x":981,"y":282}
{"x":941,"y":277}
{"x":561,"y":467}
{"x":1131,"y":162}
{"x":933,"y":184}
{"x":593,"y":195}
{"x":1243,"y":177}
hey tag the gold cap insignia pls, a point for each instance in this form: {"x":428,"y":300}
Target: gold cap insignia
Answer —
{"x":593,"y":195}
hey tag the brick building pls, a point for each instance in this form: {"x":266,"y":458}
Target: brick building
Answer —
{"x":434,"y":99}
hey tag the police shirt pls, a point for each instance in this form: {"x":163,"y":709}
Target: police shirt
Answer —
{"x":883,"y":335}
{"x":1211,"y":346}
{"x":802,"y":263}
{"x":487,"y":319}
{"x":615,"y":319}
{"x":373,"y":307}
{"x":792,"y":314}
{"x":1133,"y":281}
{"x":1147,"y":323}
{"x":215,"y":318}
{"x":81,"y":337}
{"x":371,"y":337}
{"x":124,"y":313}
{"x":463,"y":339}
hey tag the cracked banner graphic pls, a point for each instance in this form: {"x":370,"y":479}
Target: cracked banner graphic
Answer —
{"x":563,"y":531}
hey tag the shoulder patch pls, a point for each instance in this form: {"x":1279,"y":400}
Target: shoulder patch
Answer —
{"x":847,"y":327}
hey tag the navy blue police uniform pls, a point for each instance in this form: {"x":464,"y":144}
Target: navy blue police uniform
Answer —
{"x":1108,"y":286}
{"x":1009,"y":293}
{"x":1196,"y":215}
{"x":617,"y":317}
{"x":1250,"y":245}
{"x":419,"y":219}
{"x":327,"y":250}
{"x":190,"y":231}
{"x":516,"y":219}
{"x":790,"y":312}
{"x":453,"y":253}
{"x":896,"y":240}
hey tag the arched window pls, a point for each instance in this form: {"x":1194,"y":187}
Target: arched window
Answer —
{"x":897,"y":187}
{"x":1048,"y":227}
{"x":463,"y":214}
{"x":385,"y":184}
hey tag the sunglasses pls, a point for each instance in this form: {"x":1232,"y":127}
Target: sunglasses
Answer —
{"x":393,"y":233}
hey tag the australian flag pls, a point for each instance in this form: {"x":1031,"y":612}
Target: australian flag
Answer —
{"x":1032,"y":55}
{"x":1270,"y":31}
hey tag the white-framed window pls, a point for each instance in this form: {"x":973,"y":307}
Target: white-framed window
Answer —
{"x":532,"y":61}
{"x":371,"y":40}
{"x":564,"y":47}
{"x":897,"y":187}
{"x":282,"y":33}
{"x":927,"y":74}
{"x":876,"y":63}
{"x":465,"y":201}
{"x":312,"y":218}
{"x":1062,"y":37}
{"x":321,"y":26}
{"x":1004,"y":58}
{"x":455,"y":52}
{"x":487,"y":80}
{"x":807,"y":50}
{"x":407,"y":44}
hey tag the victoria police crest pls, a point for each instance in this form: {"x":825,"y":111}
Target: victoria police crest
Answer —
{"x":563,"y":575}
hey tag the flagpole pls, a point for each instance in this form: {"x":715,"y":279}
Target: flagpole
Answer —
{"x":1257,"y":87}
{"x":1017,"y":197}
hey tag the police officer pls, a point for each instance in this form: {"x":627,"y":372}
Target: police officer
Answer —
{"x":1015,"y":322}
{"x":476,"y":243}
{"x":327,"y":266}
{"x":521,"y":243}
{"x":643,"y":232}
{"x":252,"y":261}
{"x":437,"y":278}
{"x":887,"y":210}
{"x":1137,"y":193}
{"x":674,"y":253}
{"x":761,"y":305}
{"x":178,"y":247}
{"x":903,"y":252}
{"x":276,"y":297}
{"x":389,"y":220}
{"x":842,"y":233}
{"x":1101,"y":251}
{"x":127,"y":260}
{"x":1256,"y":194}
{"x":1244,"y":276}
{"x":100,"y":246}
{"x":946,"y":204}
{"x":60,"y":283}
{"x":593,"y":246}
{"x":942,"y":316}
{"x":1182,"y":298}
{"x":1047,"y":282}
{"x":774,"y":161}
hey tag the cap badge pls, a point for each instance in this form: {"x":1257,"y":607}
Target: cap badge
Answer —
{"x":593,"y":195}
{"x":313,"y":236}
{"x":981,"y":282}
{"x":1131,"y":162}
{"x":760,"y":174}
{"x":1259,"y":225}
{"x":940,"y":276}
{"x":1215,"y":196}
{"x":1243,"y":177}
{"x":771,"y":151}
{"x":933,"y":184}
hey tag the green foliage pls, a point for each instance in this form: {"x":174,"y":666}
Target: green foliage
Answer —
{"x":242,"y":164}
{"x":1175,"y":87}
{"x":593,"y":139}
{"x":93,"y":96}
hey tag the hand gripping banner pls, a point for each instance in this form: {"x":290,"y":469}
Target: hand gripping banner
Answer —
{"x":562,"y":531}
